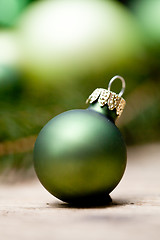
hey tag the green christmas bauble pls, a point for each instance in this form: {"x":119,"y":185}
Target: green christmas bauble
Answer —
{"x":80,"y":155}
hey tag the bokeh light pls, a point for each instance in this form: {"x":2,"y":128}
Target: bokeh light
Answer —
{"x":63,"y":41}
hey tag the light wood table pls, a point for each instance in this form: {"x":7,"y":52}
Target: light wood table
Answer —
{"x":28,"y":211}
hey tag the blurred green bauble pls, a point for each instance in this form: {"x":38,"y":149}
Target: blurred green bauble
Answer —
{"x":80,"y":155}
{"x":9,"y":83}
{"x":66,"y":40}
{"x":9,"y":52}
{"x":9,"y":72}
{"x":148,"y":14}
{"x":10,"y":11}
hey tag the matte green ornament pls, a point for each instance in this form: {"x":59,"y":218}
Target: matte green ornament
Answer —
{"x":80,"y":155}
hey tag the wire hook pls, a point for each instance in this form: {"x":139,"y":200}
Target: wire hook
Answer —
{"x":123,"y":84}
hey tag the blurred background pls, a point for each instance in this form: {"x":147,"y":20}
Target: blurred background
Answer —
{"x":54,"y":53}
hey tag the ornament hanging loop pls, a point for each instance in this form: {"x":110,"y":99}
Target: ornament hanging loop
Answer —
{"x":123,"y":84}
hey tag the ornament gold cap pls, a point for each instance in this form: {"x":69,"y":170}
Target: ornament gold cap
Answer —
{"x":107,"y":97}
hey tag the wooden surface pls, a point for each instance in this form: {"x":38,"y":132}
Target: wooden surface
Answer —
{"x":28,"y":211}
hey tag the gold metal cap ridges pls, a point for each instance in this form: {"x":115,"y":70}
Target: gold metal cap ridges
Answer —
{"x":107,"y":97}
